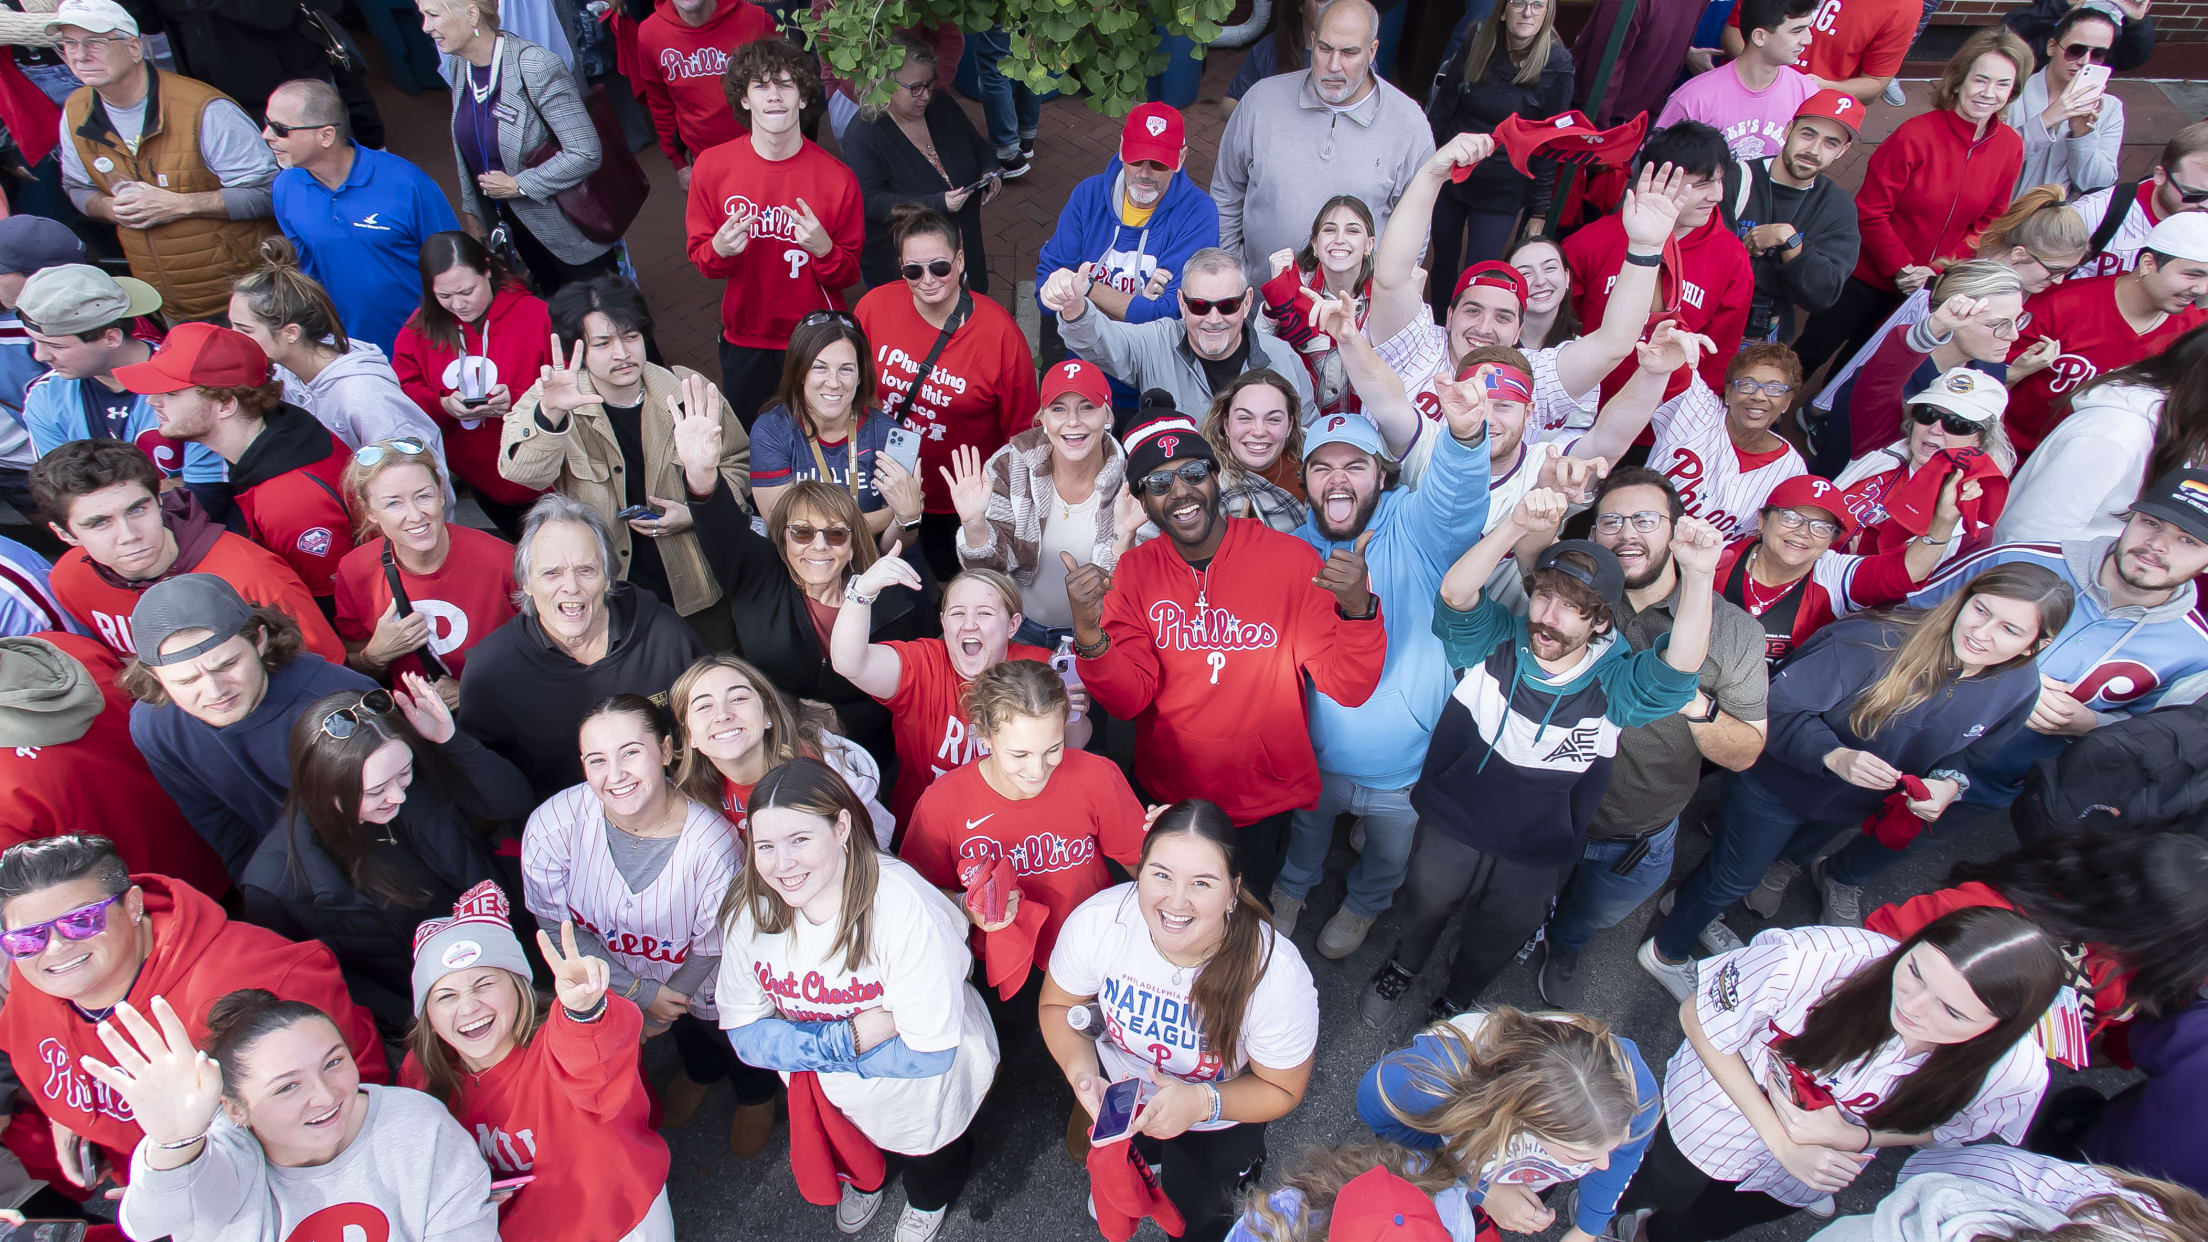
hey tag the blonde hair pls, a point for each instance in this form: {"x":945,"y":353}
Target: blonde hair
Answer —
{"x":2178,"y":1214}
{"x":280,"y":293}
{"x":1997,"y":40}
{"x":1318,"y":1178}
{"x":1008,"y":591}
{"x":1012,"y":688}
{"x":359,"y":475}
{"x":443,"y":1076}
{"x":2039,"y":221}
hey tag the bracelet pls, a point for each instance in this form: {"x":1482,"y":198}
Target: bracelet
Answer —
{"x":1089,"y":653}
{"x":181,"y":1144}
{"x":591,"y":1014}
{"x":905,"y":525}
{"x":1930,"y":542}
{"x":852,"y":595}
{"x":1645,"y":260}
{"x":1218,"y":1103}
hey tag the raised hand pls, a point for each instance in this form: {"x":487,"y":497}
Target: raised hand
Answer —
{"x":560,"y":386}
{"x":424,"y":709}
{"x":172,"y":1088}
{"x":1336,"y":317}
{"x":1085,"y":588}
{"x":734,"y":234}
{"x":1696,"y":546}
{"x":1280,"y":260}
{"x":1954,"y":313}
{"x":1540,"y":511}
{"x":1344,"y":577}
{"x":1574,"y":477}
{"x":1462,"y":151}
{"x":968,"y":486}
{"x":1066,"y":291}
{"x":696,"y":415}
{"x":578,"y":979}
{"x":1650,"y":212}
{"x":810,"y":233}
{"x":1670,"y":347}
{"x":891,"y":570}
{"x":1464,"y":406}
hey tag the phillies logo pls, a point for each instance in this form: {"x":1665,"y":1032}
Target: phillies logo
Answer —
{"x":2067,"y":372}
{"x":2116,"y":682}
{"x":779,"y":223}
{"x":73,"y":1088}
{"x":1336,"y":423}
{"x":315,"y":541}
{"x":1069,"y":371}
{"x":1176,"y":628}
{"x":629,"y":944}
{"x":1156,"y":126}
{"x":343,"y":1222}
{"x":167,"y":455}
{"x":1040,"y":852}
{"x":1685,"y":472}
{"x":706,"y":62}
{"x":1166,"y":445}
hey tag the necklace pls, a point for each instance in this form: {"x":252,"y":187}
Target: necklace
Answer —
{"x":490,"y":87}
{"x":1203,"y":585}
{"x":1751,"y":596}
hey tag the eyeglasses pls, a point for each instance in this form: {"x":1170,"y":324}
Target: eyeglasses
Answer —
{"x":346,"y":721}
{"x":2185,"y":193}
{"x":1769,"y":388}
{"x":938,"y":268}
{"x":827,"y":316}
{"x":1950,"y":422}
{"x":1527,"y":6}
{"x":370,"y":454}
{"x":804,"y":533}
{"x":74,"y":47}
{"x":2010,"y":329}
{"x":1645,"y":521}
{"x":926,"y":86}
{"x":1159,"y":482}
{"x":282,"y":130}
{"x":2075,"y":52}
{"x":1201,"y":307}
{"x":82,"y":923}
{"x":1795,"y":519}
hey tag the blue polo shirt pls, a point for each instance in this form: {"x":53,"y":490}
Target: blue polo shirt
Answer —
{"x":362,"y":240}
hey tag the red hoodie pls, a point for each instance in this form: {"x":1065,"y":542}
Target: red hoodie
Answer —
{"x":1711,"y":291}
{"x":199,"y":956}
{"x":773,"y":282}
{"x":1217,"y":694}
{"x":100,"y":778}
{"x":679,"y":67}
{"x":290,"y":488}
{"x":515,"y":336}
{"x":1930,"y":190}
{"x":570,"y":1110}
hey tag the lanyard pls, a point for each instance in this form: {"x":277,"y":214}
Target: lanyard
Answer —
{"x":851,"y":473}
{"x":486,"y":110}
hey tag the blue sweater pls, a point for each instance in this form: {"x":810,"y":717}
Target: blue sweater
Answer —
{"x":1090,"y":231}
{"x":1416,"y":535}
{"x":1394,"y":1079}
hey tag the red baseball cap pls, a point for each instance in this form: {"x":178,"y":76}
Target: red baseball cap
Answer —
{"x":1807,"y":491}
{"x":1154,"y":131}
{"x":198,"y":355}
{"x":1496,"y":274}
{"x":1568,"y":138}
{"x":1841,"y":109}
{"x":1084,"y":379}
{"x":1378,"y":1206}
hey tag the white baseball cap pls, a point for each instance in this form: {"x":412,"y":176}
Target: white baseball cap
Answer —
{"x":2179,"y":237}
{"x":1966,"y":393}
{"x":97,"y":16}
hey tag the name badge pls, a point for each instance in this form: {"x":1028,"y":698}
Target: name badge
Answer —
{"x":161,"y":179}
{"x":505,"y":112}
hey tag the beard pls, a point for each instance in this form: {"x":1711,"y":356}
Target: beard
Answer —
{"x":1359,"y":518}
{"x":1657,"y":559}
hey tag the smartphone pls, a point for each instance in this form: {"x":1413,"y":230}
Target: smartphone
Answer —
{"x":904,"y":447}
{"x":44,"y":1231}
{"x":633,"y":512}
{"x":2092,"y":80}
{"x":513,"y":1183}
{"x":473,"y":402}
{"x":1115,"y":1119}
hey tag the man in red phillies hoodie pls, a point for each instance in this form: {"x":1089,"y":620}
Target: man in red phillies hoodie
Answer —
{"x":210,"y":385}
{"x":776,"y":217}
{"x":1706,"y":281}
{"x":682,"y":48}
{"x":1204,"y":639}
{"x":143,"y":936}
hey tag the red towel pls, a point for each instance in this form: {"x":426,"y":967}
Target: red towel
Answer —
{"x":826,"y":1150}
{"x":1894,"y":824}
{"x":1910,"y":504}
{"x":1008,"y":953}
{"x":1126,"y":1190}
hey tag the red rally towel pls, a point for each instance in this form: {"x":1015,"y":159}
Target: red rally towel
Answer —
{"x":1008,"y":953}
{"x":1894,"y":824}
{"x":1911,"y":502}
{"x":1125,"y":1191}
{"x":826,"y":1150}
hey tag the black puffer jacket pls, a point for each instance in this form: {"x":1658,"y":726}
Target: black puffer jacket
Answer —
{"x":2138,"y":775}
{"x":1461,"y":107}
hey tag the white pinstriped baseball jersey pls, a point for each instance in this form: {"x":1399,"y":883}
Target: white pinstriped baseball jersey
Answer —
{"x":2051,"y":1183}
{"x":1750,"y":997}
{"x":1715,"y":483}
{"x":1419,"y":356}
{"x":567,"y":873}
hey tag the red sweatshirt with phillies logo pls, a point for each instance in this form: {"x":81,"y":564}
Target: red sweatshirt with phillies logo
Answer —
{"x":679,"y":67}
{"x":1711,"y":291}
{"x":1210,"y":664}
{"x":774,"y":282}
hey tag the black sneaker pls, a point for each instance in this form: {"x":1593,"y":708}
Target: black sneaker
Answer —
{"x":1558,"y":978}
{"x":1027,"y":148}
{"x":1443,"y":1009}
{"x":1012,"y":168}
{"x":1377,"y":1003}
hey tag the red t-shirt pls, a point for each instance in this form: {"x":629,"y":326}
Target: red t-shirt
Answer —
{"x":1856,"y":38}
{"x":1712,"y":288}
{"x":980,"y":394}
{"x":470,"y":595}
{"x":2095,"y":337}
{"x":733,"y":799}
{"x":932,"y":735}
{"x":773,"y":282}
{"x":258,"y":574}
{"x":1057,"y":840}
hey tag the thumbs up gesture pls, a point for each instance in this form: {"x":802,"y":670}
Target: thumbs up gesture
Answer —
{"x":1085,"y":588}
{"x":1344,"y":576}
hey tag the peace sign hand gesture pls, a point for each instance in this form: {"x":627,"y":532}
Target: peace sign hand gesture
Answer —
{"x":578,"y":979}
{"x":734,"y":234}
{"x":810,"y":232}
{"x":560,"y":388}
{"x":172,"y":1087}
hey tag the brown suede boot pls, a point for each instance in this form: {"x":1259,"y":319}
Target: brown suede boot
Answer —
{"x":753,"y":1128}
{"x":679,"y":1101}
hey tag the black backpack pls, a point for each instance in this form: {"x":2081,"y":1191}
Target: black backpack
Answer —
{"x":2120,"y":200}
{"x":2143,"y":774}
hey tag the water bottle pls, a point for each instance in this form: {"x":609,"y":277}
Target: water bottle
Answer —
{"x":1064,"y":661}
{"x":1088,"y":1020}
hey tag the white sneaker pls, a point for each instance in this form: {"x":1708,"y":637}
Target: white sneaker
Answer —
{"x":1677,"y":977}
{"x":1717,"y":938}
{"x":1893,"y":94}
{"x":918,"y":1226}
{"x":1824,"y":1207}
{"x":1771,"y":890}
{"x":855,"y":1208}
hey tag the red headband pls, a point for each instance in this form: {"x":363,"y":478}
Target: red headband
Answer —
{"x":1509,"y":383}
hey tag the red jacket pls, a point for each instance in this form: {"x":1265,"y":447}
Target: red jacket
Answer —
{"x":199,"y":956}
{"x":1930,"y":190}
{"x":570,"y":1109}
{"x":289,"y":487}
{"x":1711,"y":291}
{"x":679,"y":68}
{"x":100,"y":778}
{"x":772,"y":282}
{"x":1217,"y":696}
{"x":515,"y":336}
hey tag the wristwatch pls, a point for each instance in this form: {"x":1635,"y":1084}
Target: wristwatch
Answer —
{"x":1708,"y":716}
{"x":1792,"y":241}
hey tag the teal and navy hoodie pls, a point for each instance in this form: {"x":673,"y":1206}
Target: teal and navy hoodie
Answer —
{"x":1520,"y":758}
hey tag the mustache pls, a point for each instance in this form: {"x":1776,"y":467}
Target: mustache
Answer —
{"x":1538,"y":630}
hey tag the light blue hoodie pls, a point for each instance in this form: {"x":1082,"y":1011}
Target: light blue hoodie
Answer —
{"x":1417,"y":534}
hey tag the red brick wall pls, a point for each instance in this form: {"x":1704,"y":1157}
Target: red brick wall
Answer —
{"x":2183,"y":22}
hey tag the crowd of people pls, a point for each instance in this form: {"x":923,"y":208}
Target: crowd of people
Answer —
{"x":417,"y":695}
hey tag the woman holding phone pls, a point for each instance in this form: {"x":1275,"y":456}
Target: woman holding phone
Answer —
{"x":1199,"y":996}
{"x":825,"y":425}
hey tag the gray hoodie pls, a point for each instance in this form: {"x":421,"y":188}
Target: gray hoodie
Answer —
{"x":1941,"y":1207}
{"x":359,"y":399}
{"x":411,"y":1170}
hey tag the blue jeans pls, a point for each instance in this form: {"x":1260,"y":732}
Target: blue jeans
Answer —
{"x":1597,"y":897}
{"x":1010,"y":109}
{"x":1754,"y":829}
{"x":1390,"y":826}
{"x":1035,"y":634}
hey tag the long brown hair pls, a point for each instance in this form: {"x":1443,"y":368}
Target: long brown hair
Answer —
{"x":1491,"y":36}
{"x":2179,"y":1214}
{"x":2012,"y":966}
{"x":806,"y":344}
{"x":440,"y":254}
{"x":443,"y":1076}
{"x":1307,"y":259}
{"x":1215,"y":419}
{"x":2181,"y":430}
{"x":1318,"y":1177}
{"x":811,"y":787}
{"x":1559,"y":1076}
{"x":792,"y":730}
{"x":1226,"y":981}
{"x":325,"y":794}
{"x":1925,"y":663}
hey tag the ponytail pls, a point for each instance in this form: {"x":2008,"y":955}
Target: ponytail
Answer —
{"x":279,"y":292}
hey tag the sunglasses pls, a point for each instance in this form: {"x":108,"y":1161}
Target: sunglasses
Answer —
{"x":800,"y":532}
{"x":1795,"y":519}
{"x":1159,"y":482}
{"x":370,"y":454}
{"x":827,"y":316}
{"x":282,"y":130}
{"x":1952,"y":423}
{"x":346,"y":721}
{"x":1201,"y":307}
{"x":1645,"y":521}
{"x":1769,"y":388}
{"x":82,"y":923}
{"x":938,"y":268}
{"x":2185,"y":193}
{"x":2075,"y":52}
